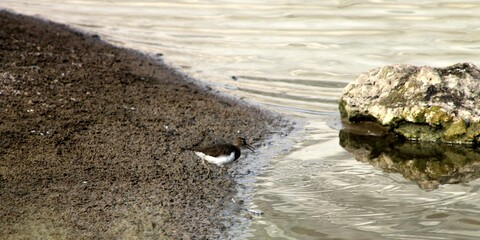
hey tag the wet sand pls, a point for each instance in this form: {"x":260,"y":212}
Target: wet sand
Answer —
{"x":90,"y":138}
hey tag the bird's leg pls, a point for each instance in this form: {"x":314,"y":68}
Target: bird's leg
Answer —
{"x":208,"y":168}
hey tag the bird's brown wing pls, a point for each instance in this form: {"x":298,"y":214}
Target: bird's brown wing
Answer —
{"x":215,"y":151}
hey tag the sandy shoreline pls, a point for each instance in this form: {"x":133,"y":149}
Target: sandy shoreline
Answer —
{"x":90,"y":139}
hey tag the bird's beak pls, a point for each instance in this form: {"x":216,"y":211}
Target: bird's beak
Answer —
{"x":249,"y":147}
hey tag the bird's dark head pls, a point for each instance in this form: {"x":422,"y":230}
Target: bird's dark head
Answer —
{"x":241,"y":142}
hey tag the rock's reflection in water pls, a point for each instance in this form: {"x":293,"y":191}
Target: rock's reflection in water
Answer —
{"x":428,"y":164}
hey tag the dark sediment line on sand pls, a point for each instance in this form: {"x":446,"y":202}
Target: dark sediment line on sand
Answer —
{"x":90,"y":138}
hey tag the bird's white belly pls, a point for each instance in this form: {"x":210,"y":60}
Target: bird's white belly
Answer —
{"x":220,"y":160}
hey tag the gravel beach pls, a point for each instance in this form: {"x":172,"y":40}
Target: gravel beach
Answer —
{"x":91,"y":138}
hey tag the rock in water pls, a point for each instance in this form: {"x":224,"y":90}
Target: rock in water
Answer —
{"x":419,"y":103}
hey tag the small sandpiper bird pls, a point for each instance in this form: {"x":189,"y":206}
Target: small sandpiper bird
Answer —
{"x":223,"y":153}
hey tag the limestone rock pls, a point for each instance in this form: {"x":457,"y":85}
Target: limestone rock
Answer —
{"x":419,"y":103}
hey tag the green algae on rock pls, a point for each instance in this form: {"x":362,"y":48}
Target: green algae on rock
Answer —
{"x":418,"y":103}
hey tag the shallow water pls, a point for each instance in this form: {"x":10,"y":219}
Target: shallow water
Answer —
{"x":295,"y":57}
